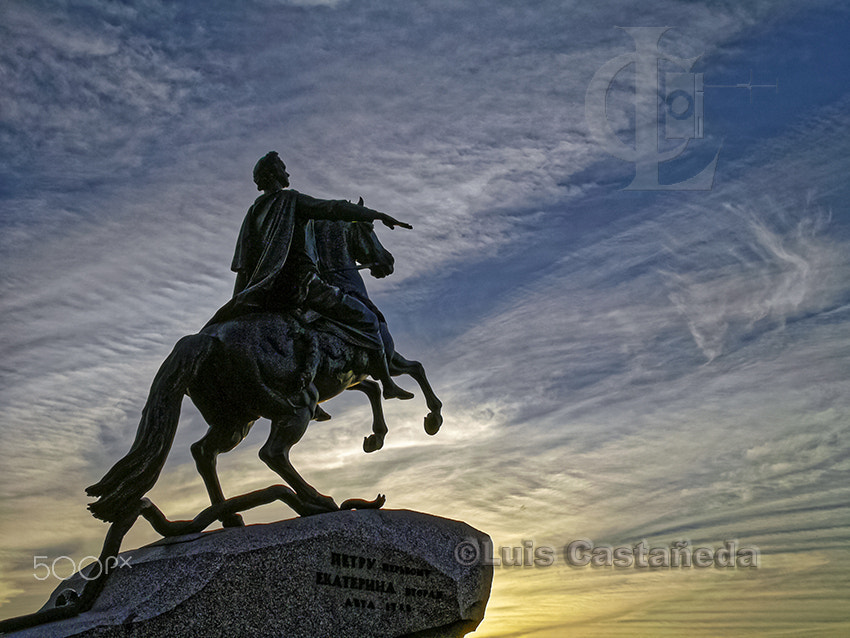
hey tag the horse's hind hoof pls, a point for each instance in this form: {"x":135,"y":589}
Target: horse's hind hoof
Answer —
{"x":372,"y":443}
{"x":318,"y":504}
{"x":433,"y":421}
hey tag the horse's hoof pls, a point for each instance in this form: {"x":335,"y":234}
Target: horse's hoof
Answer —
{"x":433,"y":421}
{"x":312,"y":509}
{"x":321,"y":415}
{"x":372,"y":443}
{"x":232,"y":520}
{"x":319,"y":504}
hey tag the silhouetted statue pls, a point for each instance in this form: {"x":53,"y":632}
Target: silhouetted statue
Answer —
{"x":288,"y":339}
{"x":263,"y":355}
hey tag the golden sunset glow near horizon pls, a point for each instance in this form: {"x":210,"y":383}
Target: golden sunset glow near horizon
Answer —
{"x":624,"y":360}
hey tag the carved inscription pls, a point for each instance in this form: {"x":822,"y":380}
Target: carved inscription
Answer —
{"x":379,"y":585}
{"x":354,"y":582}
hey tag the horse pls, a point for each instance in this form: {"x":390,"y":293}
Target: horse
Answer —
{"x":258,"y":365}
{"x":341,"y":246}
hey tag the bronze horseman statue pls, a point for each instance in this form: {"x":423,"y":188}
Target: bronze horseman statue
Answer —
{"x":287,"y":340}
{"x":298,"y":330}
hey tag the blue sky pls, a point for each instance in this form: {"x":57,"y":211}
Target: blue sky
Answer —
{"x":616,"y":365}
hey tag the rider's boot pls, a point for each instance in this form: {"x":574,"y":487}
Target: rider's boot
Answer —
{"x":391,"y":390}
{"x":320,"y":414}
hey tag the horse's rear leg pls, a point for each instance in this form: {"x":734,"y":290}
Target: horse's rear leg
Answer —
{"x":400,"y":365}
{"x":275,"y":453}
{"x":216,"y":441}
{"x":374,"y":441}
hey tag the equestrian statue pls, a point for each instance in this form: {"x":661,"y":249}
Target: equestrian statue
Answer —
{"x":287,"y":340}
{"x":298,"y":330}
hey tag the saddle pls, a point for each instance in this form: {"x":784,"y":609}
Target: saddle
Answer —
{"x":313,"y":320}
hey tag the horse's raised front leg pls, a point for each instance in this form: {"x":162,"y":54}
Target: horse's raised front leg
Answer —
{"x":374,"y":441}
{"x":400,"y":365}
{"x":216,"y":441}
{"x":275,"y":453}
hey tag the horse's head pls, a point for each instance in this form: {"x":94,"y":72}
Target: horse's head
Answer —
{"x":367,"y":249}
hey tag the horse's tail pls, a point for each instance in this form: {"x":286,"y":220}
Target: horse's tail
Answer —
{"x":120,"y":491}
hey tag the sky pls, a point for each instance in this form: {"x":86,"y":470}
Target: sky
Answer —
{"x":617,"y":364}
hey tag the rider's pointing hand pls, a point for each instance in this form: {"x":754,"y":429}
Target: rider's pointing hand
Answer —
{"x":392,"y":222}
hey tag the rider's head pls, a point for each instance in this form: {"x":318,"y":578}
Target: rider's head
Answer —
{"x":270,"y":172}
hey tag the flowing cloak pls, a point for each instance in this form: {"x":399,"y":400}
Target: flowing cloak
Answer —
{"x":264,"y":240}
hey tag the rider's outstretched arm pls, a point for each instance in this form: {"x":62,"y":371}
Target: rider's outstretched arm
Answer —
{"x":341,"y":210}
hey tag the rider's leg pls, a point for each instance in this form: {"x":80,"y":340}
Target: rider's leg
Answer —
{"x":391,"y":390}
{"x":335,"y":304}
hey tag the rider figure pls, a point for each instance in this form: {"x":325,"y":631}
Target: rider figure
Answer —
{"x":275,"y":262}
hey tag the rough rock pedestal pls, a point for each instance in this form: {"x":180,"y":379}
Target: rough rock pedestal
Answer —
{"x":360,"y":573}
